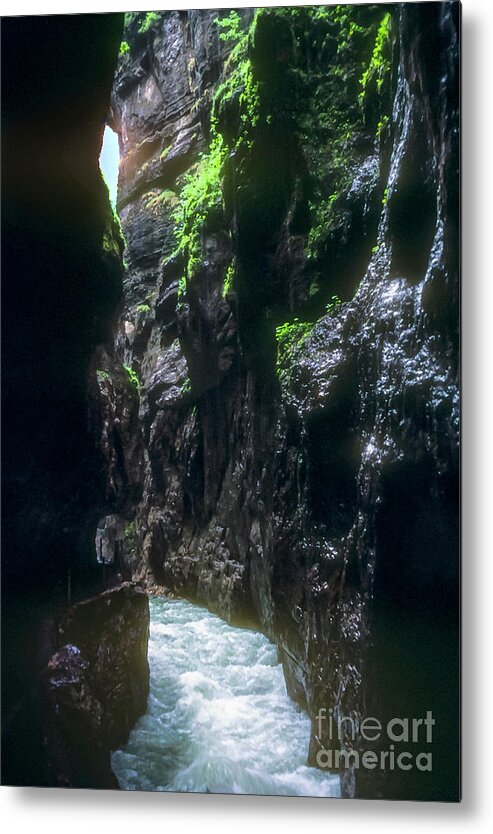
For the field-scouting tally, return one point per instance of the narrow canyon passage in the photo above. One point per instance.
(219, 719)
(277, 408)
(231, 372)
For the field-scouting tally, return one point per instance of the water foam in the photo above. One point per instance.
(219, 719)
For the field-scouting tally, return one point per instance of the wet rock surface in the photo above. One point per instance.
(97, 686)
(308, 486)
(274, 430)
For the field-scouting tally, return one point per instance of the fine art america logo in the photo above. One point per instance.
(417, 733)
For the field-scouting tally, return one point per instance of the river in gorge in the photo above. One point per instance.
(219, 719)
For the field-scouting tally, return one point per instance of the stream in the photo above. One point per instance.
(219, 719)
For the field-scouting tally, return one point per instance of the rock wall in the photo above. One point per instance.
(62, 285)
(97, 686)
(70, 411)
(289, 197)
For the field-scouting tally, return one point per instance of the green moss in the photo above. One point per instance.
(130, 18)
(382, 124)
(311, 96)
(240, 83)
(332, 305)
(130, 534)
(201, 202)
(332, 47)
(182, 287)
(230, 27)
(165, 199)
(143, 308)
(290, 336)
(291, 333)
(150, 19)
(379, 65)
(324, 217)
(200, 196)
(134, 379)
(113, 241)
(228, 280)
(201, 205)
(102, 375)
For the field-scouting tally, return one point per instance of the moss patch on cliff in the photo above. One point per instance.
(113, 241)
(201, 201)
(229, 278)
(379, 64)
(132, 377)
(290, 113)
(290, 336)
(335, 51)
(201, 196)
(130, 534)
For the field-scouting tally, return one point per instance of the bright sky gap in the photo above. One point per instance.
(108, 161)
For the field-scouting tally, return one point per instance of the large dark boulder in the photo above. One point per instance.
(97, 686)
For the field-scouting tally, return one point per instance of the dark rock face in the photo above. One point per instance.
(304, 479)
(71, 439)
(97, 687)
(62, 284)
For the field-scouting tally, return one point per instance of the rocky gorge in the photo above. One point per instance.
(264, 412)
(288, 191)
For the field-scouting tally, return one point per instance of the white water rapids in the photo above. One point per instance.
(219, 719)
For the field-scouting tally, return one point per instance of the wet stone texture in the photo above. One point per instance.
(311, 489)
(97, 686)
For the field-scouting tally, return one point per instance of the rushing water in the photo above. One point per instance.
(219, 719)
